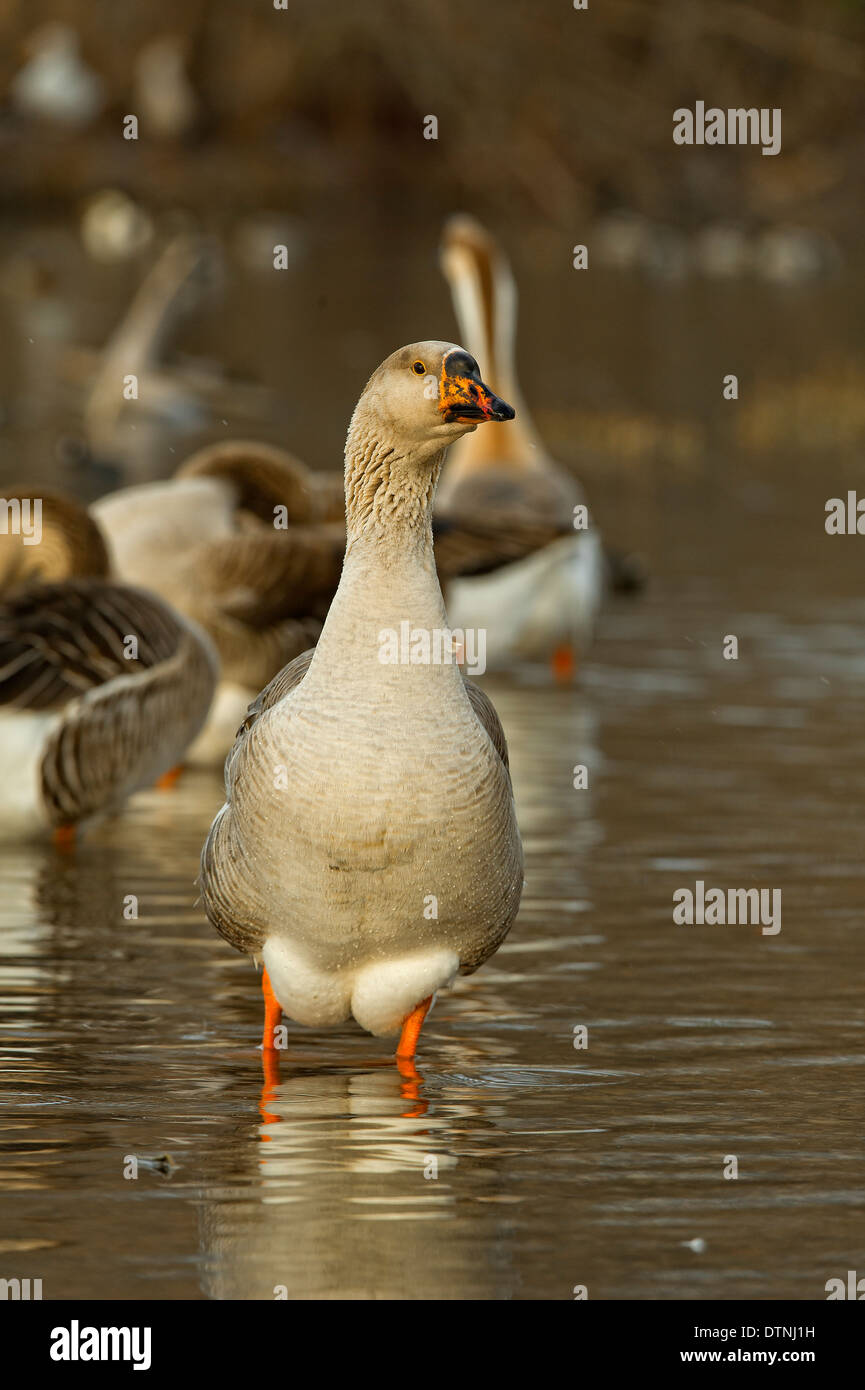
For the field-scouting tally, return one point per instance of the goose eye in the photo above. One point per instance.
(418, 368)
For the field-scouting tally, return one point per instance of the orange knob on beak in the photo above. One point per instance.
(463, 397)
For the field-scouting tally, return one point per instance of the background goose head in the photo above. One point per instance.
(484, 291)
(262, 477)
(59, 540)
(484, 294)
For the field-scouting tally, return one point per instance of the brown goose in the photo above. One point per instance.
(248, 543)
(102, 686)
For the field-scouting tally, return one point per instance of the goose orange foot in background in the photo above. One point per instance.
(563, 664)
(169, 779)
(64, 837)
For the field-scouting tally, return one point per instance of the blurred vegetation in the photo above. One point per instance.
(541, 109)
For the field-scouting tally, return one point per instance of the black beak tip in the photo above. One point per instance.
(503, 411)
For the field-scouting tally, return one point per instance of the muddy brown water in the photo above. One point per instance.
(518, 1166)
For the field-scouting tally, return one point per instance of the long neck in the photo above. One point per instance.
(389, 575)
(388, 497)
(485, 299)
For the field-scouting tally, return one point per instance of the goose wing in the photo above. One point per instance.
(226, 890)
(485, 712)
(132, 683)
(262, 595)
(264, 575)
(478, 544)
(276, 690)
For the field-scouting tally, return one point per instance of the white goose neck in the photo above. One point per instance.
(389, 577)
(388, 499)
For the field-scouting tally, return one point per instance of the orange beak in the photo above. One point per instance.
(465, 399)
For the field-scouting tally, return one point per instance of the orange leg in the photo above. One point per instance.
(411, 1077)
(64, 836)
(272, 1013)
(411, 1030)
(270, 1073)
(169, 779)
(563, 663)
(269, 1054)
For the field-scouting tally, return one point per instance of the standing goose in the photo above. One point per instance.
(505, 508)
(102, 686)
(368, 848)
(248, 543)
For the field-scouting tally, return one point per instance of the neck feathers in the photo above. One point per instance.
(388, 495)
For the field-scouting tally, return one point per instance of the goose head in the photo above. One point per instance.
(47, 538)
(258, 476)
(418, 402)
(424, 397)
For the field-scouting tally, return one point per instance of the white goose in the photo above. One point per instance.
(504, 486)
(368, 849)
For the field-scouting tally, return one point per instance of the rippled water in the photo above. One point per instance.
(518, 1167)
